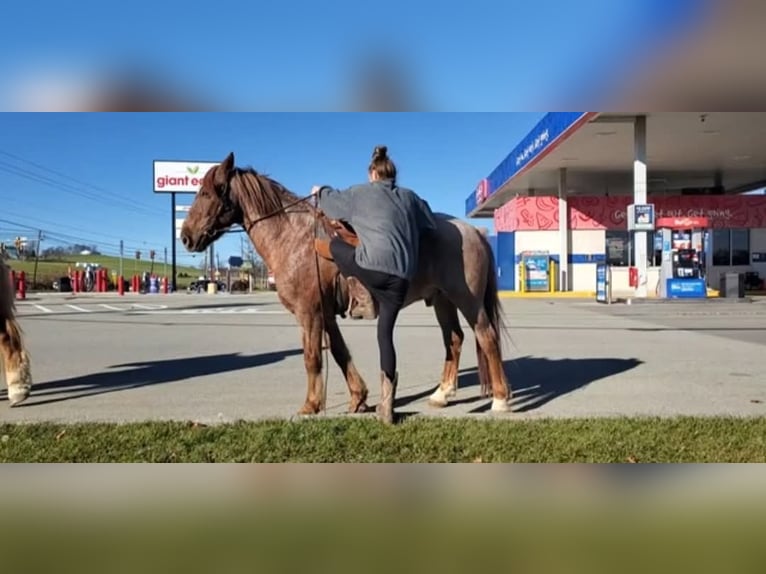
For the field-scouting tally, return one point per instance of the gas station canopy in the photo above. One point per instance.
(687, 153)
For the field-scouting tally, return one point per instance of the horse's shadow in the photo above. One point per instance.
(148, 373)
(537, 381)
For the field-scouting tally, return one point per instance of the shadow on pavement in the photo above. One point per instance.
(536, 381)
(137, 375)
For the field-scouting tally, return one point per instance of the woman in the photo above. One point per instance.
(388, 221)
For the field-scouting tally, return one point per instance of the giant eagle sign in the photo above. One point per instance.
(180, 176)
(174, 177)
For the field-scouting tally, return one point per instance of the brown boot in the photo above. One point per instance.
(385, 409)
(361, 304)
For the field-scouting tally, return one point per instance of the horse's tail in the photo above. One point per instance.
(8, 321)
(492, 305)
(493, 309)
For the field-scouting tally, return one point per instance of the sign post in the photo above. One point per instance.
(176, 177)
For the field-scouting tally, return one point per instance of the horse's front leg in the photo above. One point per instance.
(311, 325)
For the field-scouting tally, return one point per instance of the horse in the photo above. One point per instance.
(13, 352)
(456, 271)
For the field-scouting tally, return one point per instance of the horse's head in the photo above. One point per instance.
(214, 209)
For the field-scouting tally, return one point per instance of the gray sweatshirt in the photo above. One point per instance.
(388, 220)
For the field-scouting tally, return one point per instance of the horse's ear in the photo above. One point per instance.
(223, 170)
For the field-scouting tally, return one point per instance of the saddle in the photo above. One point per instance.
(334, 228)
(355, 299)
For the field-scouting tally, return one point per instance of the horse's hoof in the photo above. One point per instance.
(439, 399)
(501, 406)
(309, 409)
(358, 408)
(17, 396)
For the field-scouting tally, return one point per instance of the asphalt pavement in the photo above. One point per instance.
(221, 358)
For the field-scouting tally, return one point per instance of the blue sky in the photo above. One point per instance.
(91, 174)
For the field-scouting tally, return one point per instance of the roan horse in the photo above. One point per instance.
(13, 353)
(456, 272)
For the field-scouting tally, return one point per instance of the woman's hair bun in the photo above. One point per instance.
(381, 152)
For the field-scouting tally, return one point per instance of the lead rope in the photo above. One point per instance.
(325, 362)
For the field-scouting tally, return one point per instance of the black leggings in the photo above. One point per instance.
(388, 290)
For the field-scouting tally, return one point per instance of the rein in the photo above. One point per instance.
(246, 229)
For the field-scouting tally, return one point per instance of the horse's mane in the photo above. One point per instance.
(258, 193)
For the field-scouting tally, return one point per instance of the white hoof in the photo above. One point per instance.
(17, 395)
(439, 398)
(501, 406)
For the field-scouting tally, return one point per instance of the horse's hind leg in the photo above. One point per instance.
(453, 336)
(342, 356)
(18, 374)
(489, 356)
(488, 351)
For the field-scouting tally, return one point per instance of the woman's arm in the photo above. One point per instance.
(335, 203)
(426, 216)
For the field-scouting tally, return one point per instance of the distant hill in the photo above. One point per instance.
(49, 270)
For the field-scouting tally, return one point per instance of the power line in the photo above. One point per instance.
(35, 221)
(66, 188)
(64, 237)
(80, 183)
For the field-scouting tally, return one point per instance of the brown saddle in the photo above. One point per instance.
(334, 228)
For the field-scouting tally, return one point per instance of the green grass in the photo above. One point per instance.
(415, 440)
(50, 270)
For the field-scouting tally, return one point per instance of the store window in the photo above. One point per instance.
(731, 247)
(620, 251)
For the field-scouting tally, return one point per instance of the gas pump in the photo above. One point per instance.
(682, 273)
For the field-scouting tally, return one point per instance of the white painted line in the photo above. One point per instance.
(43, 309)
(110, 307)
(207, 312)
(80, 309)
(149, 307)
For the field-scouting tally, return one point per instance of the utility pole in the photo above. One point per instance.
(37, 258)
(122, 253)
(212, 262)
(165, 268)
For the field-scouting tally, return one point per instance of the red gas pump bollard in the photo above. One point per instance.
(22, 292)
(121, 285)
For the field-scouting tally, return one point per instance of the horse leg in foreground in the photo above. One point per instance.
(313, 334)
(18, 374)
(452, 334)
(311, 326)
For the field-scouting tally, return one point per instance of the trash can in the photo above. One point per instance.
(732, 285)
(64, 285)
